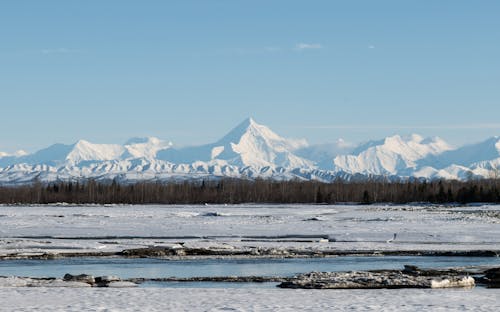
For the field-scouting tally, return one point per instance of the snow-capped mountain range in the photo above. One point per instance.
(252, 150)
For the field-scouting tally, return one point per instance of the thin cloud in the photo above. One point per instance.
(247, 51)
(443, 127)
(307, 46)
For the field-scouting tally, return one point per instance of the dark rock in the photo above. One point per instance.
(211, 214)
(492, 278)
(313, 219)
(107, 279)
(104, 281)
(493, 273)
(84, 278)
(410, 269)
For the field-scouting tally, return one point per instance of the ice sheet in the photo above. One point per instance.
(61, 228)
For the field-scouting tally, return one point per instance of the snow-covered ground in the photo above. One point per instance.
(63, 228)
(114, 228)
(170, 299)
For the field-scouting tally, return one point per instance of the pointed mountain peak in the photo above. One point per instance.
(249, 122)
(246, 126)
(249, 129)
(84, 150)
(82, 143)
(253, 144)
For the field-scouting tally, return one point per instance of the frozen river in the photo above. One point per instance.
(159, 268)
(59, 229)
(31, 231)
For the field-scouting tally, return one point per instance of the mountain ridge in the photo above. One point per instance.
(251, 150)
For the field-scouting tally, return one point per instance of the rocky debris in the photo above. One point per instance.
(166, 252)
(410, 277)
(105, 281)
(149, 252)
(83, 278)
(416, 271)
(228, 279)
(483, 276)
(179, 251)
(100, 281)
(270, 251)
(379, 279)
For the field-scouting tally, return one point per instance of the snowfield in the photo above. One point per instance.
(169, 299)
(59, 229)
(32, 230)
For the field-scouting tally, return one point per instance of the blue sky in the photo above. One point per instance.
(189, 71)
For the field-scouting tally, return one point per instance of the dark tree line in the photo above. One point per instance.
(234, 191)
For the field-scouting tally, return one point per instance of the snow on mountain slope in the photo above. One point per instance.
(392, 156)
(251, 144)
(86, 151)
(251, 150)
(466, 155)
(487, 168)
(452, 172)
(479, 160)
(60, 154)
(248, 133)
(145, 147)
(248, 144)
(52, 155)
(323, 154)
